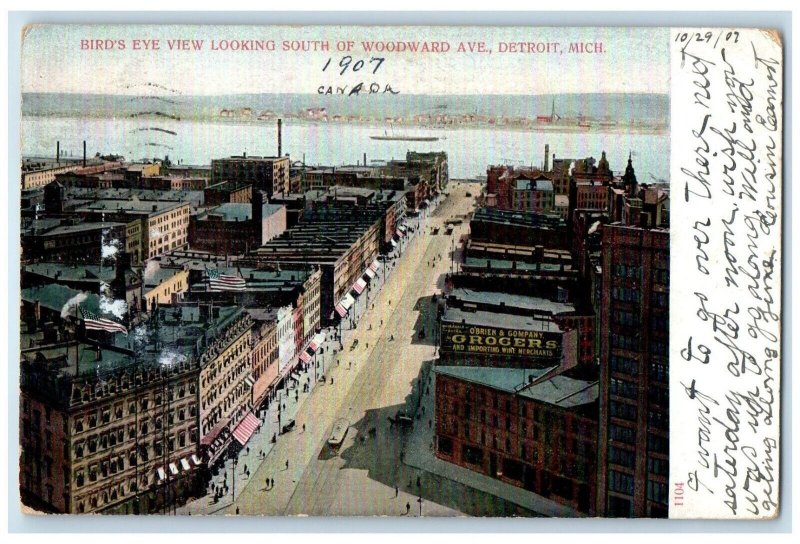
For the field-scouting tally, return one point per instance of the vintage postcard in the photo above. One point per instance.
(400, 271)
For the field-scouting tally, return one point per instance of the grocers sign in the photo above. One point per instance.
(461, 338)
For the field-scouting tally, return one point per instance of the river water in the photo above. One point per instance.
(469, 150)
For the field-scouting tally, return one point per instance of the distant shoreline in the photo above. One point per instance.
(541, 128)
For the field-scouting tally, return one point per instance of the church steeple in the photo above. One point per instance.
(629, 179)
(602, 166)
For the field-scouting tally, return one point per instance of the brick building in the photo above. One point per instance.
(268, 174)
(521, 427)
(634, 370)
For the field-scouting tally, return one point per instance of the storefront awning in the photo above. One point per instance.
(162, 474)
(374, 265)
(369, 273)
(212, 435)
(398, 233)
(185, 465)
(348, 301)
(359, 286)
(402, 228)
(173, 468)
(392, 241)
(341, 310)
(305, 357)
(246, 427)
(249, 380)
(196, 460)
(316, 341)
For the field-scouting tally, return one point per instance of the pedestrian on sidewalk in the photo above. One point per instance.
(304, 427)
(237, 510)
(266, 484)
(396, 491)
(408, 508)
(248, 450)
(272, 482)
(287, 464)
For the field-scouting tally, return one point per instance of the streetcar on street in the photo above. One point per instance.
(338, 433)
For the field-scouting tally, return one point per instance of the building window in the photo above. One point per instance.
(622, 434)
(623, 410)
(620, 482)
(623, 457)
(623, 388)
(657, 444)
(472, 455)
(658, 466)
(624, 365)
(657, 492)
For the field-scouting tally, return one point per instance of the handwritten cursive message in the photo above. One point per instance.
(725, 349)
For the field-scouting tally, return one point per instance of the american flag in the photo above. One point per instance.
(225, 282)
(94, 322)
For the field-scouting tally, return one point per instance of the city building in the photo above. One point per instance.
(343, 241)
(265, 353)
(228, 191)
(268, 174)
(165, 225)
(107, 428)
(38, 172)
(525, 427)
(225, 373)
(500, 226)
(533, 194)
(633, 466)
(237, 228)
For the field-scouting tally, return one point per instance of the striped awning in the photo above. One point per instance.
(359, 286)
(316, 341)
(369, 273)
(348, 301)
(374, 265)
(249, 380)
(341, 310)
(398, 233)
(246, 427)
(305, 357)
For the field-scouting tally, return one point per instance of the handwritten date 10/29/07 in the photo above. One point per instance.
(349, 65)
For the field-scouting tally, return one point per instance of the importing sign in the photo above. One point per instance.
(461, 338)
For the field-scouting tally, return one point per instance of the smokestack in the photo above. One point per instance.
(280, 147)
(58, 152)
(546, 157)
(84, 153)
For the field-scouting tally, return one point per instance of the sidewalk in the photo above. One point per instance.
(419, 454)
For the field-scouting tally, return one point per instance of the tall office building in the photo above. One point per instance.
(634, 397)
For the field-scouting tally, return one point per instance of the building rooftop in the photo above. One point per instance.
(494, 298)
(83, 227)
(503, 321)
(54, 297)
(232, 211)
(559, 390)
(535, 220)
(148, 207)
(68, 272)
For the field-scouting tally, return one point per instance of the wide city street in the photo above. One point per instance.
(380, 374)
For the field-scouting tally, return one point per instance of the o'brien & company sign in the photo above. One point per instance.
(461, 338)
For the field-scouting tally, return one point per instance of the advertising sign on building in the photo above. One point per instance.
(463, 338)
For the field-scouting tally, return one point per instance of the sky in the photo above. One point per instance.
(634, 60)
